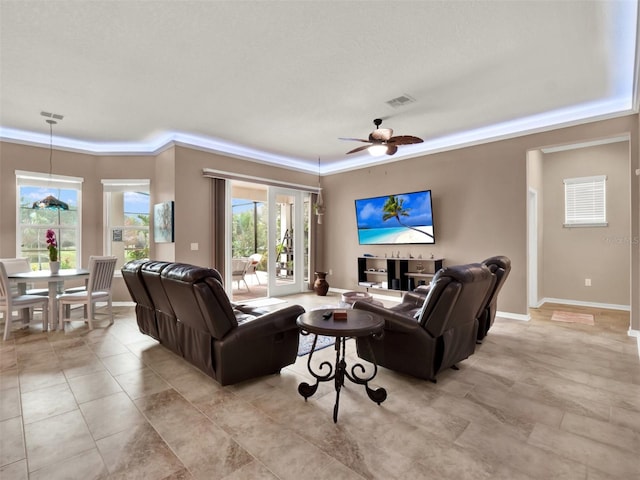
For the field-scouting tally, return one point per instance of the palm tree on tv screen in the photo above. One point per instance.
(393, 208)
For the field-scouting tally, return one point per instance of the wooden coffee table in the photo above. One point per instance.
(359, 323)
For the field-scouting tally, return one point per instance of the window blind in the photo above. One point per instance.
(585, 201)
(37, 179)
(126, 185)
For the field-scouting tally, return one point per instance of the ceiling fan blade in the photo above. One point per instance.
(354, 139)
(382, 134)
(391, 149)
(404, 140)
(359, 149)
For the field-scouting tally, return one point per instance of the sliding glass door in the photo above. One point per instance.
(269, 236)
(288, 241)
(249, 250)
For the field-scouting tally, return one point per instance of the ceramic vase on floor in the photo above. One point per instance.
(321, 286)
(54, 267)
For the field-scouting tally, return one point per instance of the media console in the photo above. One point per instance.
(399, 274)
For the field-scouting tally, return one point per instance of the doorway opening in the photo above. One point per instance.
(269, 253)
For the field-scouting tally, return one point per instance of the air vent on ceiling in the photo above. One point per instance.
(401, 101)
(56, 116)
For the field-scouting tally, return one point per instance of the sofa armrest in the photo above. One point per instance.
(279, 321)
(248, 309)
(416, 299)
(422, 290)
(394, 321)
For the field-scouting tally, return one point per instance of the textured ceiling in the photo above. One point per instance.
(282, 81)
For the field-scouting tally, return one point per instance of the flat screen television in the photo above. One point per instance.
(405, 218)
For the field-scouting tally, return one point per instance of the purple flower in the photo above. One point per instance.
(52, 246)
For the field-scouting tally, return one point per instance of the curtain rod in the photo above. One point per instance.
(211, 173)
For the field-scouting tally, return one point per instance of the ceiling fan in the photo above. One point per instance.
(381, 141)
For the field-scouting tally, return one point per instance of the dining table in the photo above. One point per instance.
(55, 282)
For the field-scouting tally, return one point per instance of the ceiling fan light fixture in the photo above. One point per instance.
(377, 150)
(381, 141)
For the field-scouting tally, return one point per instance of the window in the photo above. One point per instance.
(34, 219)
(585, 201)
(127, 215)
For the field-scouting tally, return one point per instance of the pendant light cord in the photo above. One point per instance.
(50, 149)
(51, 122)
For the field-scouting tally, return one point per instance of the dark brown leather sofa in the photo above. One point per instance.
(441, 332)
(186, 309)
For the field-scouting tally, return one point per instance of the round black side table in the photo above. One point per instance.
(358, 324)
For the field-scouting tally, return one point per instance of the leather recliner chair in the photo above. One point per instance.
(500, 266)
(441, 333)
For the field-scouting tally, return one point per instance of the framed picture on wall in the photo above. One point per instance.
(163, 222)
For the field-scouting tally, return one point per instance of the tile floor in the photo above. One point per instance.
(538, 400)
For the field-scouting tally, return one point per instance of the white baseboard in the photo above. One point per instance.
(636, 334)
(514, 316)
(124, 304)
(579, 303)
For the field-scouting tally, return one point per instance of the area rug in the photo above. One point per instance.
(570, 317)
(306, 342)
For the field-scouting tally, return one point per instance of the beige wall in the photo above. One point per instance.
(175, 174)
(92, 168)
(164, 190)
(479, 198)
(598, 253)
(193, 197)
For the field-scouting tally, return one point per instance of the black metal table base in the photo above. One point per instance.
(338, 373)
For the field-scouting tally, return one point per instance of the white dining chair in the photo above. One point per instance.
(20, 265)
(239, 267)
(98, 290)
(10, 303)
(256, 258)
(15, 265)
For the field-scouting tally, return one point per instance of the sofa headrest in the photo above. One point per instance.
(132, 275)
(151, 272)
(500, 266)
(199, 299)
(456, 296)
(191, 273)
(471, 272)
(499, 261)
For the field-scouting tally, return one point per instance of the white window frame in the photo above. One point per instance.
(39, 179)
(110, 186)
(585, 201)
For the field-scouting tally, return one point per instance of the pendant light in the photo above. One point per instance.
(319, 205)
(50, 201)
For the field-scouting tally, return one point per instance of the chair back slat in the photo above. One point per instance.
(101, 273)
(16, 265)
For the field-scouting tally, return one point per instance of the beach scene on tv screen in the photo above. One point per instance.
(395, 219)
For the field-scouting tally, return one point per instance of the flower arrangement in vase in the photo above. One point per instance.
(52, 246)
